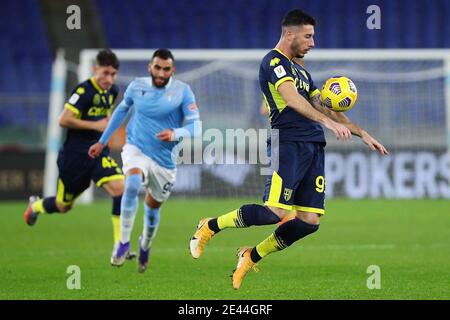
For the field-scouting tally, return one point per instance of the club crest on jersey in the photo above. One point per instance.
(170, 96)
(287, 194)
(96, 100)
(192, 107)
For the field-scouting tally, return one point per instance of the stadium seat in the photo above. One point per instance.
(26, 65)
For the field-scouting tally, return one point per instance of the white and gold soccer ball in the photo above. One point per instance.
(339, 94)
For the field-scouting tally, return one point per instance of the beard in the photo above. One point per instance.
(295, 50)
(160, 85)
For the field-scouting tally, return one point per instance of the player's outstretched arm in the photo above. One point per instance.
(302, 106)
(355, 129)
(118, 117)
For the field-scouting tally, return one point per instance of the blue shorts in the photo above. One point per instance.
(298, 180)
(77, 170)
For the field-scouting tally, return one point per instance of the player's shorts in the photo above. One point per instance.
(298, 183)
(76, 171)
(157, 180)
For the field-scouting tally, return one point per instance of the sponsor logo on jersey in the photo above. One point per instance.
(74, 99)
(279, 71)
(274, 62)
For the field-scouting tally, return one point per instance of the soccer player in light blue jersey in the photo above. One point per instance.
(158, 105)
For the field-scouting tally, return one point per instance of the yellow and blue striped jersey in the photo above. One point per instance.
(275, 69)
(89, 102)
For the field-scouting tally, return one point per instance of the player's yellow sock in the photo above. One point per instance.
(230, 220)
(38, 206)
(285, 235)
(269, 245)
(116, 228)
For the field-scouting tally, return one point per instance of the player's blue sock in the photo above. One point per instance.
(129, 206)
(151, 223)
(246, 216)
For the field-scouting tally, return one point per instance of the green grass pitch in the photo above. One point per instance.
(409, 240)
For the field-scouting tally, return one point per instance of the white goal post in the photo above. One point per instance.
(400, 79)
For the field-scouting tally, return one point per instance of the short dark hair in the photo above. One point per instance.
(163, 54)
(107, 58)
(297, 17)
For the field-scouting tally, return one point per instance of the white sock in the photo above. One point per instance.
(126, 226)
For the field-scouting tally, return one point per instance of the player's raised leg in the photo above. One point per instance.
(60, 204)
(129, 206)
(285, 235)
(151, 223)
(243, 217)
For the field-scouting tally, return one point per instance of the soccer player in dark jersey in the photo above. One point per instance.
(85, 116)
(297, 154)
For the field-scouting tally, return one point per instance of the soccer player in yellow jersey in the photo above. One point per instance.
(85, 116)
(297, 154)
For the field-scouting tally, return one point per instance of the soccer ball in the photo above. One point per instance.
(339, 94)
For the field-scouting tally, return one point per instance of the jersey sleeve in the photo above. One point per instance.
(191, 116)
(79, 100)
(189, 105)
(128, 95)
(280, 70)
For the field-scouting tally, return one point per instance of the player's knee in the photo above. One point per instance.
(295, 230)
(63, 208)
(132, 185)
(151, 202)
(309, 217)
(281, 213)
(116, 188)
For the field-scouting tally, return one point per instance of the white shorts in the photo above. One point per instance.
(157, 180)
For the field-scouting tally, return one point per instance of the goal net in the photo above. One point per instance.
(403, 101)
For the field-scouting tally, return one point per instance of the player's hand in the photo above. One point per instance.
(95, 150)
(339, 130)
(100, 125)
(166, 135)
(373, 144)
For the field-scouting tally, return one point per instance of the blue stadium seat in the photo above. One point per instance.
(255, 23)
(26, 64)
